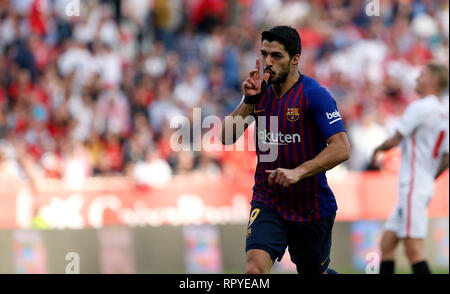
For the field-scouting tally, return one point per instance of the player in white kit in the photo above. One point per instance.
(424, 137)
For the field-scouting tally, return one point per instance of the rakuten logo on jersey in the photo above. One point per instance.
(335, 116)
(278, 138)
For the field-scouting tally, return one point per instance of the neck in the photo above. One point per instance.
(430, 92)
(281, 88)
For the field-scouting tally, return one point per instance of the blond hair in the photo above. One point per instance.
(440, 71)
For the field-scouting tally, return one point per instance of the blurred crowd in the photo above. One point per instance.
(88, 88)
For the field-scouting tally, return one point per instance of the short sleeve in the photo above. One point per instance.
(324, 111)
(413, 116)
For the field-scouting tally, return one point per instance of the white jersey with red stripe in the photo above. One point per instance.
(424, 127)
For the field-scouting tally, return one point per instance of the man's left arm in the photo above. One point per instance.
(444, 160)
(388, 144)
(337, 151)
(323, 111)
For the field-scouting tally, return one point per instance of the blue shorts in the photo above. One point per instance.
(309, 243)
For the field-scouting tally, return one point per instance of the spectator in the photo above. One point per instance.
(152, 171)
(188, 93)
(163, 109)
(366, 137)
(95, 94)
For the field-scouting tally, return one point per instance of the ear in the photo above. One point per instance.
(295, 60)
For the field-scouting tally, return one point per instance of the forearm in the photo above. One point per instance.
(390, 143)
(330, 157)
(234, 124)
(253, 88)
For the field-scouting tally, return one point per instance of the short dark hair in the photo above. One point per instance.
(285, 35)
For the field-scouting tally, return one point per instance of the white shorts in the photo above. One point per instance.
(409, 218)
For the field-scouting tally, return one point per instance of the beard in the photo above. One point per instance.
(279, 77)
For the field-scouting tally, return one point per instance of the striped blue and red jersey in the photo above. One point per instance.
(303, 119)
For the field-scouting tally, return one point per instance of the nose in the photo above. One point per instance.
(268, 62)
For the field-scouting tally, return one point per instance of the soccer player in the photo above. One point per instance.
(292, 205)
(423, 134)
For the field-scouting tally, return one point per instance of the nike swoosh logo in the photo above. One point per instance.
(259, 110)
(322, 263)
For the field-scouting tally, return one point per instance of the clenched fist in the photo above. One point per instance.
(283, 176)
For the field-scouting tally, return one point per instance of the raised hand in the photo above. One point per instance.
(252, 85)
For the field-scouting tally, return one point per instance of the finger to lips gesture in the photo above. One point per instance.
(252, 85)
